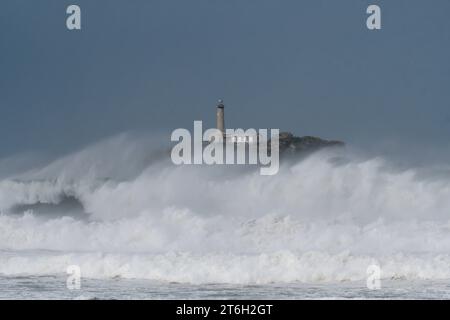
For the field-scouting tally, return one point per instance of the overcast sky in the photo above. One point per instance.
(311, 67)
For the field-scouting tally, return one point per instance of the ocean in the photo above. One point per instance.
(54, 287)
(138, 227)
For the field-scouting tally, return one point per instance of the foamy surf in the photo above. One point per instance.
(322, 219)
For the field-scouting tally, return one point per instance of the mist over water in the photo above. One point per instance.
(120, 208)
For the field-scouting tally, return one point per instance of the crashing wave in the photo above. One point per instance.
(326, 217)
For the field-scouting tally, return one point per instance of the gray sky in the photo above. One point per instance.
(311, 67)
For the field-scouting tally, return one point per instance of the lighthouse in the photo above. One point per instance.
(233, 135)
(220, 117)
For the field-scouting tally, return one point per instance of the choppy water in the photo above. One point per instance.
(311, 231)
(54, 287)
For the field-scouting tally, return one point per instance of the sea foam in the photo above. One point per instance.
(326, 217)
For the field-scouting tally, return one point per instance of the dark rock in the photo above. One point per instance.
(290, 144)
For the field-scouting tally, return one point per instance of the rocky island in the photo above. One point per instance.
(290, 144)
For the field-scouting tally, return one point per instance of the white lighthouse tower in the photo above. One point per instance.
(234, 136)
(220, 117)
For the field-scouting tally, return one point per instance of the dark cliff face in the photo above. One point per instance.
(290, 144)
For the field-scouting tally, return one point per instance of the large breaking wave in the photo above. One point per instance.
(121, 209)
